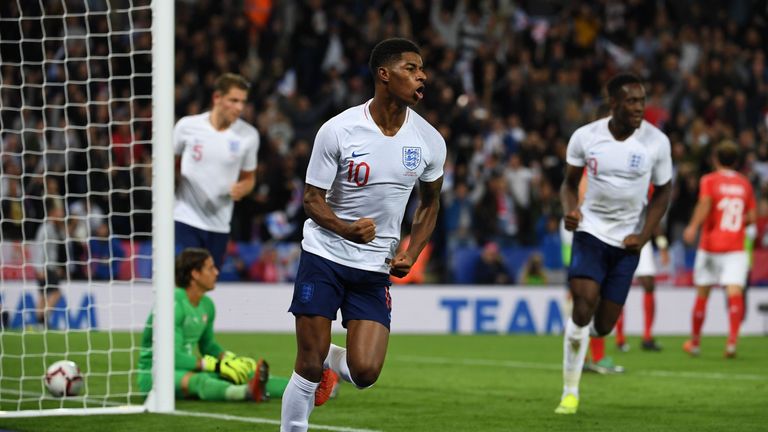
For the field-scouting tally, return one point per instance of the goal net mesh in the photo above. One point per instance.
(75, 257)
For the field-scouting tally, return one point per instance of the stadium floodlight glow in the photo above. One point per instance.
(86, 115)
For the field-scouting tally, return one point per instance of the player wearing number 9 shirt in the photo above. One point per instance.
(623, 155)
(725, 207)
(365, 162)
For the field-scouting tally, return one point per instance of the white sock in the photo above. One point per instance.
(298, 401)
(592, 330)
(575, 344)
(337, 361)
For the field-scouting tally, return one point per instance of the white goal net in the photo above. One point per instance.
(76, 244)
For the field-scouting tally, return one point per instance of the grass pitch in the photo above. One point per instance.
(436, 383)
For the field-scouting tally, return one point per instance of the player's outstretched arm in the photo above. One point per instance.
(424, 221)
(700, 212)
(569, 194)
(362, 230)
(656, 209)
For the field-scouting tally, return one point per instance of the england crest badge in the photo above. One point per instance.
(306, 292)
(411, 157)
(635, 161)
(234, 146)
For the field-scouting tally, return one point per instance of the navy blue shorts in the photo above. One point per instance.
(611, 267)
(51, 281)
(323, 287)
(189, 236)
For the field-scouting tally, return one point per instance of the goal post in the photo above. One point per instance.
(86, 187)
(162, 397)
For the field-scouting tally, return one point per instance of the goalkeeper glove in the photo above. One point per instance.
(234, 370)
(208, 363)
(249, 362)
(229, 368)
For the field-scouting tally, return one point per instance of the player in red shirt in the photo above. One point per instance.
(725, 207)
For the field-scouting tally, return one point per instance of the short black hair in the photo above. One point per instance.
(727, 153)
(189, 259)
(390, 50)
(617, 82)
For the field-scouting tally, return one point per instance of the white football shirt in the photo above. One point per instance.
(44, 251)
(211, 162)
(369, 175)
(618, 176)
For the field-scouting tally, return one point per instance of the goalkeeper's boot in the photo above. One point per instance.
(730, 351)
(257, 386)
(327, 388)
(568, 405)
(691, 348)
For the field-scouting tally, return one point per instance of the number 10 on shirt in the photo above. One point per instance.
(354, 173)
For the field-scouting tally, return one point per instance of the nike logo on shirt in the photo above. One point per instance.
(354, 155)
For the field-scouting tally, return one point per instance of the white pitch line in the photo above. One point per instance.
(704, 375)
(256, 420)
(259, 420)
(68, 399)
(479, 362)
(550, 366)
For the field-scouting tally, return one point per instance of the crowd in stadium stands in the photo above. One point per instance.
(508, 82)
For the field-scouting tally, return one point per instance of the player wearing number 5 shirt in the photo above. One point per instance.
(725, 207)
(364, 165)
(215, 166)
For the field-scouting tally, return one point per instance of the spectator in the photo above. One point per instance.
(267, 267)
(446, 23)
(458, 217)
(491, 269)
(106, 254)
(495, 215)
(533, 271)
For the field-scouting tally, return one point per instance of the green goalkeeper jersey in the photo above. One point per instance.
(193, 326)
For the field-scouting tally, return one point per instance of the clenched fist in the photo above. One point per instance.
(361, 231)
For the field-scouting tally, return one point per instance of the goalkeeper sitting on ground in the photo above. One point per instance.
(219, 375)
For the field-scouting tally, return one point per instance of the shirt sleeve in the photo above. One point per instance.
(208, 344)
(324, 162)
(179, 140)
(184, 360)
(705, 187)
(434, 169)
(575, 153)
(662, 170)
(250, 159)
